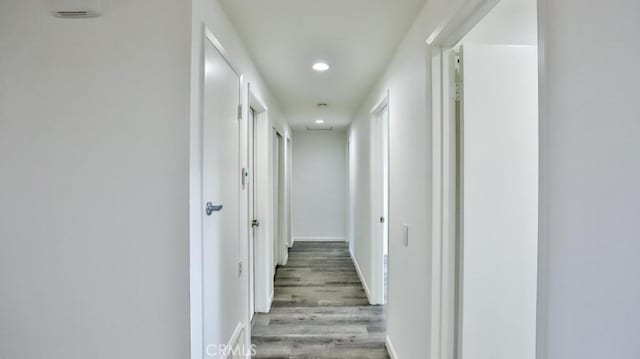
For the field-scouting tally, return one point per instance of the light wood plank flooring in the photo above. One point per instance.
(320, 309)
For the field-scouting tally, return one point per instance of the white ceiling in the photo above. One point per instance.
(355, 37)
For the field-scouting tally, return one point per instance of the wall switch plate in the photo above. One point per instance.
(405, 235)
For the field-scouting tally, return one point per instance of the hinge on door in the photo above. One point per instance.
(239, 112)
(245, 177)
(458, 78)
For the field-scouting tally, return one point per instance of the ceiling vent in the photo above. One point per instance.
(325, 129)
(76, 9)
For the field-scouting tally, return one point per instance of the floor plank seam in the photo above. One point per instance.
(320, 309)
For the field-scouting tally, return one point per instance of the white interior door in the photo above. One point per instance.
(499, 190)
(221, 196)
(380, 202)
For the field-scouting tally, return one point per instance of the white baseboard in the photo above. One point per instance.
(364, 282)
(390, 348)
(237, 340)
(271, 296)
(318, 239)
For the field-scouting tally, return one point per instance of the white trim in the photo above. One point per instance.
(390, 348)
(255, 101)
(459, 22)
(377, 250)
(289, 191)
(443, 309)
(263, 281)
(271, 297)
(381, 104)
(277, 126)
(208, 34)
(542, 321)
(443, 299)
(437, 215)
(234, 339)
(361, 276)
(281, 244)
(318, 239)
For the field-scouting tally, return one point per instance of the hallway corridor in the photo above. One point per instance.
(320, 309)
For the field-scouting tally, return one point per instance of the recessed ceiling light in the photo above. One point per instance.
(321, 66)
(319, 122)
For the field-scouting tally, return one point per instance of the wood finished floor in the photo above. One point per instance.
(320, 310)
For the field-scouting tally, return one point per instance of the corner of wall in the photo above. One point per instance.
(362, 278)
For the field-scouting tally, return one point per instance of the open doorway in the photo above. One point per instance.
(257, 176)
(251, 153)
(380, 200)
(484, 73)
(252, 207)
(278, 192)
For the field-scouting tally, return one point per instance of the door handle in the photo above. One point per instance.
(211, 208)
(255, 223)
(381, 219)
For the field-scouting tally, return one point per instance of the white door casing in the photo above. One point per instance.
(261, 179)
(379, 197)
(275, 191)
(251, 206)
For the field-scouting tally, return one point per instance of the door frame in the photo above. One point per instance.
(280, 243)
(289, 192)
(440, 48)
(263, 281)
(376, 293)
(248, 180)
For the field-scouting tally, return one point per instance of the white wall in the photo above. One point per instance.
(360, 201)
(319, 185)
(590, 170)
(94, 131)
(510, 22)
(410, 187)
(97, 179)
(500, 202)
(407, 79)
(209, 13)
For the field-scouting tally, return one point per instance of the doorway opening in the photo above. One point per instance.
(260, 282)
(251, 155)
(278, 199)
(380, 200)
(485, 166)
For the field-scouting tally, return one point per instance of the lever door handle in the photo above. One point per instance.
(211, 208)
(381, 219)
